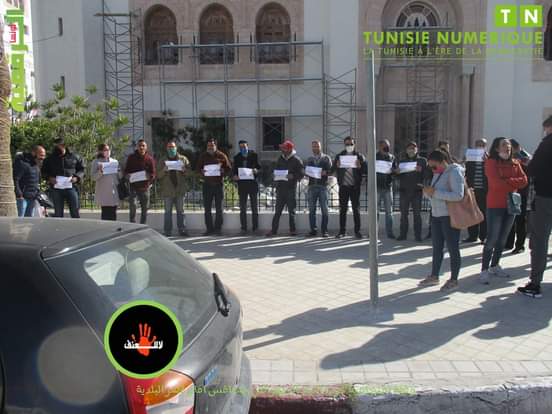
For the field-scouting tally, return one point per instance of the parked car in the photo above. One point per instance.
(62, 279)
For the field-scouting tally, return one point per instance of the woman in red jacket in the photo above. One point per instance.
(504, 176)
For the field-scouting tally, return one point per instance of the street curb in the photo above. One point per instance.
(299, 405)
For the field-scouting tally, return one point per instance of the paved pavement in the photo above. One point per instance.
(307, 318)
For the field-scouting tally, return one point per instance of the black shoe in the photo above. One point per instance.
(418, 239)
(401, 238)
(167, 234)
(358, 235)
(531, 290)
(270, 234)
(518, 250)
(208, 233)
(243, 232)
(340, 235)
(217, 232)
(183, 233)
(470, 240)
(313, 233)
(391, 236)
(325, 234)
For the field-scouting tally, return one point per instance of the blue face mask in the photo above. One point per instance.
(172, 152)
(244, 151)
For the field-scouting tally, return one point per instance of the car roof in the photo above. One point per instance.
(56, 235)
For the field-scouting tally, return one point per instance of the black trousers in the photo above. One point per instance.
(414, 200)
(285, 196)
(518, 233)
(249, 190)
(480, 230)
(346, 194)
(109, 213)
(210, 193)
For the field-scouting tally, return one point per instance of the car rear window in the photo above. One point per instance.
(137, 266)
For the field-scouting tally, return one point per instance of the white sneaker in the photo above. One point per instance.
(498, 272)
(484, 277)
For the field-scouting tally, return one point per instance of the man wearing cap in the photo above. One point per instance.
(247, 161)
(287, 172)
(411, 182)
(59, 164)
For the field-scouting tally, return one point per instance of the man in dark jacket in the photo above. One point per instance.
(350, 181)
(541, 219)
(59, 164)
(26, 177)
(140, 170)
(287, 172)
(411, 182)
(247, 162)
(476, 178)
(385, 184)
(213, 165)
(319, 166)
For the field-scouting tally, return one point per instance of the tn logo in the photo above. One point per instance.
(527, 16)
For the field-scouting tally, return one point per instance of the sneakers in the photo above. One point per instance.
(531, 290)
(325, 234)
(429, 281)
(358, 235)
(183, 233)
(270, 234)
(340, 235)
(312, 233)
(498, 272)
(484, 277)
(401, 238)
(449, 285)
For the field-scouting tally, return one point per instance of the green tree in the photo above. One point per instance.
(7, 192)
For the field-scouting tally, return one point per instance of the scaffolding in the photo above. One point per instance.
(123, 70)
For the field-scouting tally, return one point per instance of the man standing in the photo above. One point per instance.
(213, 165)
(476, 178)
(385, 183)
(171, 171)
(319, 165)
(246, 168)
(63, 169)
(540, 171)
(287, 172)
(26, 177)
(411, 170)
(141, 172)
(349, 178)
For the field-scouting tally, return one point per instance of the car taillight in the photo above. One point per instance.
(171, 393)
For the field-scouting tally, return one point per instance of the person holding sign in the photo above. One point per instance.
(141, 172)
(350, 166)
(411, 171)
(384, 166)
(475, 176)
(64, 170)
(106, 181)
(287, 172)
(319, 166)
(246, 168)
(171, 170)
(213, 165)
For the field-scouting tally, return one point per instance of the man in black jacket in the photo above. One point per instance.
(410, 188)
(350, 181)
(247, 161)
(541, 223)
(286, 186)
(385, 183)
(26, 177)
(63, 163)
(476, 178)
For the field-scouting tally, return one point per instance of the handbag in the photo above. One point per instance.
(514, 204)
(44, 200)
(123, 189)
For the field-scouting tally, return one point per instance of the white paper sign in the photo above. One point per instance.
(383, 167)
(138, 177)
(406, 167)
(475, 154)
(348, 161)
(280, 175)
(109, 168)
(314, 172)
(63, 183)
(174, 165)
(212, 170)
(246, 174)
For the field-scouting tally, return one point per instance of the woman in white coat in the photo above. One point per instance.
(106, 177)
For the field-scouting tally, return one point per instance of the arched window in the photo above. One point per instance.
(273, 25)
(216, 27)
(160, 29)
(548, 37)
(417, 15)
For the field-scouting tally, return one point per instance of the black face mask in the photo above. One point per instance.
(386, 149)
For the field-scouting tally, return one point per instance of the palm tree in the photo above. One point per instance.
(7, 193)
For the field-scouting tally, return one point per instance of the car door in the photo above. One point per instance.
(2, 382)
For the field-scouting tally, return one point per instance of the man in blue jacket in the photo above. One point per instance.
(26, 177)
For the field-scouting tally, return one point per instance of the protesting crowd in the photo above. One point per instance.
(489, 194)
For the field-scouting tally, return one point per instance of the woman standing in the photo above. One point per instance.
(447, 185)
(106, 180)
(504, 175)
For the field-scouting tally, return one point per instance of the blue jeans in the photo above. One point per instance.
(499, 224)
(25, 207)
(442, 232)
(318, 192)
(60, 196)
(178, 203)
(385, 197)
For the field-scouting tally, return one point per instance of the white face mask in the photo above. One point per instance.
(349, 148)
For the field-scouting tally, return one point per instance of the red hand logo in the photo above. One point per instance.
(145, 332)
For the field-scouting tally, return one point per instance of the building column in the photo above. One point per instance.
(465, 121)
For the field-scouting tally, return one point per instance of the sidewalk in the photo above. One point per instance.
(307, 318)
